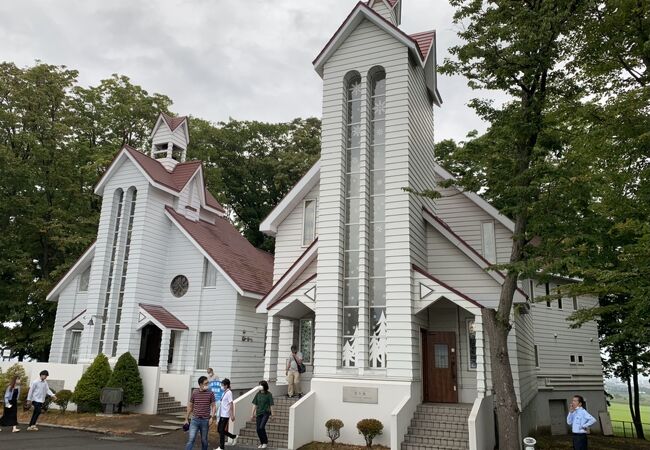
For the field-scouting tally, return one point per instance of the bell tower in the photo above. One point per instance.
(169, 140)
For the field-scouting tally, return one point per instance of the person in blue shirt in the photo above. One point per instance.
(580, 421)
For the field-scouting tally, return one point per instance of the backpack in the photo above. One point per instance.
(301, 366)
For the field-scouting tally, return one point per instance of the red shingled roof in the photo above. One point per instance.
(173, 122)
(251, 269)
(424, 40)
(164, 317)
(176, 179)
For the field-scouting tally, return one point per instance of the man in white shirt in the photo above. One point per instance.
(38, 389)
(293, 373)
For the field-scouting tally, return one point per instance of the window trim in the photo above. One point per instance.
(576, 306)
(198, 351)
(81, 275)
(469, 353)
(207, 264)
(304, 216)
(493, 240)
(536, 350)
(311, 351)
(74, 332)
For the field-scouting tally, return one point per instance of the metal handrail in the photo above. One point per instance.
(626, 428)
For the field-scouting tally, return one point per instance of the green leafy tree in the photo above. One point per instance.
(520, 49)
(56, 139)
(251, 166)
(126, 376)
(87, 393)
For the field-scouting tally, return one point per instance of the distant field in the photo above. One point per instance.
(621, 411)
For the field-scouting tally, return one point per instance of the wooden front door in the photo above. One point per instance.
(439, 364)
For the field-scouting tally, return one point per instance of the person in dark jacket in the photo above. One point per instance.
(10, 414)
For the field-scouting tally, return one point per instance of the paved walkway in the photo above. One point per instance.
(56, 438)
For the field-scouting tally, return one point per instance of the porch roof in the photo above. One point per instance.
(163, 317)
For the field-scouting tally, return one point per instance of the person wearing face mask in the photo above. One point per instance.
(580, 421)
(201, 409)
(10, 415)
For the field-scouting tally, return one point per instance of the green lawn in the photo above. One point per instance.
(621, 411)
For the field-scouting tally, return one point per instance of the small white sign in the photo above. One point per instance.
(358, 394)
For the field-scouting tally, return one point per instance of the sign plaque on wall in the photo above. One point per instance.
(360, 394)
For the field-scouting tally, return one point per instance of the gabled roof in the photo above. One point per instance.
(270, 224)
(477, 200)
(288, 277)
(448, 291)
(425, 41)
(173, 122)
(362, 11)
(163, 317)
(248, 269)
(84, 261)
(289, 293)
(446, 231)
(172, 182)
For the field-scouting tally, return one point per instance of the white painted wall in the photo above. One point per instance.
(150, 380)
(301, 421)
(178, 386)
(481, 424)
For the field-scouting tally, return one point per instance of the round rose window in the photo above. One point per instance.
(179, 285)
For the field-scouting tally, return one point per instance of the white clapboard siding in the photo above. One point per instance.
(285, 341)
(189, 196)
(465, 218)
(309, 272)
(288, 241)
(554, 352)
(247, 344)
(164, 135)
(523, 331)
(366, 47)
(127, 176)
(70, 303)
(450, 265)
(384, 11)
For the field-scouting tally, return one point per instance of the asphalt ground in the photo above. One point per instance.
(57, 438)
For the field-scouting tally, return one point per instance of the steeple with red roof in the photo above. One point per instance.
(169, 140)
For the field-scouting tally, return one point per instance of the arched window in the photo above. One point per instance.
(377, 249)
(132, 194)
(351, 344)
(116, 220)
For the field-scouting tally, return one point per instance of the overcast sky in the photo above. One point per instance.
(246, 59)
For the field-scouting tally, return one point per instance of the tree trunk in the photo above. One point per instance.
(636, 418)
(504, 389)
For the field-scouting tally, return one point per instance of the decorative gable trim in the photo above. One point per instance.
(82, 263)
(445, 230)
(309, 292)
(477, 200)
(75, 320)
(290, 276)
(270, 224)
(439, 289)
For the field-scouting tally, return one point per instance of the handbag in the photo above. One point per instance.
(301, 366)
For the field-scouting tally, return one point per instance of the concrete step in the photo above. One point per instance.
(438, 425)
(449, 443)
(276, 435)
(439, 433)
(440, 417)
(254, 442)
(172, 410)
(270, 426)
(406, 446)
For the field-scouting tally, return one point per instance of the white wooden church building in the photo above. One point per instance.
(168, 279)
(382, 290)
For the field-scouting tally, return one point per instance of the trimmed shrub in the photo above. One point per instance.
(63, 397)
(127, 376)
(88, 390)
(370, 428)
(334, 429)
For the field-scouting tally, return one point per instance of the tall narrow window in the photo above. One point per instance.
(559, 303)
(84, 280)
(531, 290)
(377, 251)
(471, 344)
(306, 339)
(309, 222)
(117, 220)
(75, 340)
(548, 292)
(536, 356)
(172, 346)
(203, 351)
(575, 303)
(209, 274)
(351, 344)
(489, 241)
(125, 266)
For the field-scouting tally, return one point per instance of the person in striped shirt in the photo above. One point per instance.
(202, 408)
